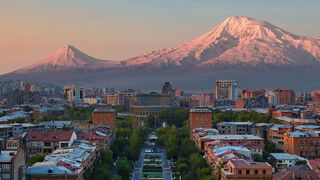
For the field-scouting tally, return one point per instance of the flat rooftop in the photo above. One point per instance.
(244, 163)
(195, 110)
(287, 156)
(104, 110)
(231, 136)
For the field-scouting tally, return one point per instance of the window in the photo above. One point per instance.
(47, 144)
(239, 172)
(255, 171)
(247, 171)
(62, 145)
(264, 172)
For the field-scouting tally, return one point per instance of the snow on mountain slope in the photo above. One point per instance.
(68, 57)
(238, 40)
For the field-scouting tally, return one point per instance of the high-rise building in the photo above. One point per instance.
(167, 89)
(200, 118)
(72, 93)
(178, 93)
(227, 89)
(281, 96)
(204, 99)
(252, 93)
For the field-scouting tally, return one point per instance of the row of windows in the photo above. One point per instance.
(5, 166)
(254, 171)
(5, 176)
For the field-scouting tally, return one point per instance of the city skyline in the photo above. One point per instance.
(119, 30)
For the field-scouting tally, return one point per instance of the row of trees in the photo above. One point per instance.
(189, 162)
(123, 152)
(237, 116)
(174, 117)
(129, 139)
(104, 168)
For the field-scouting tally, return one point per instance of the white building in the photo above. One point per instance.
(282, 161)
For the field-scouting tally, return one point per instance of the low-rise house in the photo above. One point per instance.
(64, 163)
(13, 143)
(12, 117)
(282, 161)
(307, 128)
(242, 169)
(217, 156)
(93, 139)
(17, 129)
(302, 172)
(276, 133)
(11, 163)
(52, 171)
(305, 144)
(48, 141)
(56, 124)
(295, 121)
(254, 143)
(235, 127)
(198, 133)
(261, 130)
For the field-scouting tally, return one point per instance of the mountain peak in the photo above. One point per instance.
(238, 40)
(236, 25)
(69, 57)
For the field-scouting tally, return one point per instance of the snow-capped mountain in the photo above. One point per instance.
(253, 52)
(68, 57)
(238, 40)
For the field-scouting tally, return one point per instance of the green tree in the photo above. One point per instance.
(116, 177)
(182, 168)
(203, 173)
(123, 168)
(196, 161)
(135, 144)
(20, 120)
(150, 121)
(39, 157)
(101, 173)
(269, 147)
(106, 158)
(27, 108)
(257, 158)
(171, 145)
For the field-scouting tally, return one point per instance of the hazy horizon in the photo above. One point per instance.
(113, 30)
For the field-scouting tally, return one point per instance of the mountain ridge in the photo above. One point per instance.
(238, 48)
(234, 36)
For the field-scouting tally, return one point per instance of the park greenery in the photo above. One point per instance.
(238, 116)
(189, 161)
(116, 163)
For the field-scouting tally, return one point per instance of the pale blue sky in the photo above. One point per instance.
(118, 29)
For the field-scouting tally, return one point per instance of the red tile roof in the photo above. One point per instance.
(302, 172)
(314, 164)
(49, 136)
